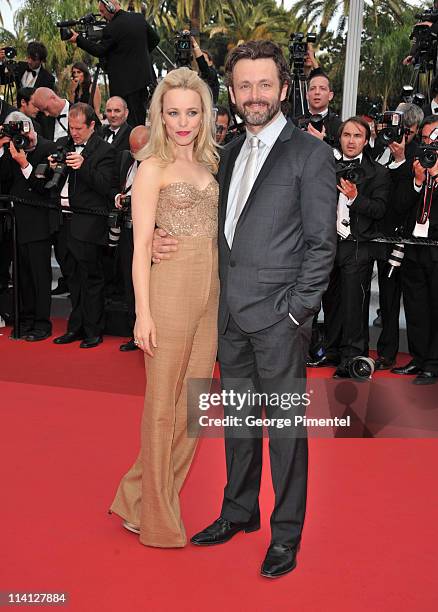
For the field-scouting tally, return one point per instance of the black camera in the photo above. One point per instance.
(391, 128)
(361, 368)
(90, 27)
(316, 121)
(425, 46)
(183, 49)
(17, 132)
(427, 155)
(54, 176)
(10, 53)
(298, 47)
(350, 171)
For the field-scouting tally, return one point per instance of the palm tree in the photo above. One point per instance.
(323, 12)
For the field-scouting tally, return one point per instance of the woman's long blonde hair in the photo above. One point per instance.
(205, 148)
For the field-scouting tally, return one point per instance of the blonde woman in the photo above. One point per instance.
(176, 301)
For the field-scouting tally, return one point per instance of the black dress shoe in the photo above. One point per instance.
(382, 363)
(222, 530)
(324, 361)
(409, 369)
(61, 287)
(68, 338)
(36, 335)
(91, 342)
(280, 559)
(128, 346)
(425, 378)
(341, 372)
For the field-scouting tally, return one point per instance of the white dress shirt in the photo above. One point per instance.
(65, 203)
(60, 132)
(28, 80)
(344, 203)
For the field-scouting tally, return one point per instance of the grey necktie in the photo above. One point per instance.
(248, 179)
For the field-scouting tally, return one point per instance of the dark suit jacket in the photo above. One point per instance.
(369, 207)
(126, 44)
(5, 109)
(90, 187)
(32, 223)
(121, 141)
(285, 240)
(44, 78)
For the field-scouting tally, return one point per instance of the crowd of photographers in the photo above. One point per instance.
(69, 169)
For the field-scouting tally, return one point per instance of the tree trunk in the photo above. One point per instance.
(195, 15)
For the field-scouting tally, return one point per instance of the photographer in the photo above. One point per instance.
(126, 169)
(398, 158)
(319, 96)
(428, 20)
(126, 44)
(223, 120)
(432, 107)
(207, 71)
(25, 106)
(30, 73)
(118, 129)
(19, 156)
(360, 206)
(86, 185)
(416, 200)
(53, 113)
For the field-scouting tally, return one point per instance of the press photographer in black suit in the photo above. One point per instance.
(126, 169)
(30, 73)
(207, 71)
(82, 235)
(419, 270)
(398, 158)
(118, 129)
(25, 106)
(319, 96)
(34, 227)
(126, 45)
(346, 301)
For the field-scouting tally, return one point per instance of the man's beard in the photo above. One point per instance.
(260, 116)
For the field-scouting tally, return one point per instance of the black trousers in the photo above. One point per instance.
(269, 361)
(136, 102)
(126, 252)
(84, 270)
(346, 301)
(420, 298)
(389, 301)
(35, 282)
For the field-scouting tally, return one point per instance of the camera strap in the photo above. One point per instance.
(424, 212)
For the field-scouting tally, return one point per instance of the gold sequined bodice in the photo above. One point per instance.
(185, 210)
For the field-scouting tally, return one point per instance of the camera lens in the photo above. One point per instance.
(361, 368)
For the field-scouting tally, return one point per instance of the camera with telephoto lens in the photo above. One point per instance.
(90, 27)
(298, 48)
(350, 171)
(55, 175)
(17, 132)
(427, 155)
(425, 45)
(183, 49)
(391, 128)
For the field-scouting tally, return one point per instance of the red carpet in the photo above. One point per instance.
(70, 427)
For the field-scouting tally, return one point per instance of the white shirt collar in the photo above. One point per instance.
(323, 113)
(271, 132)
(434, 106)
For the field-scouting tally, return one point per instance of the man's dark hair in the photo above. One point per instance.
(359, 121)
(317, 72)
(24, 93)
(428, 120)
(37, 51)
(257, 49)
(223, 110)
(80, 108)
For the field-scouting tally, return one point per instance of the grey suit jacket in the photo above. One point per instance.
(285, 240)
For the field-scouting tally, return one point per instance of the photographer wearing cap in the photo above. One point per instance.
(21, 150)
(417, 202)
(85, 185)
(360, 206)
(30, 73)
(398, 158)
(126, 45)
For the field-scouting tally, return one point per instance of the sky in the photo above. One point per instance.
(8, 13)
